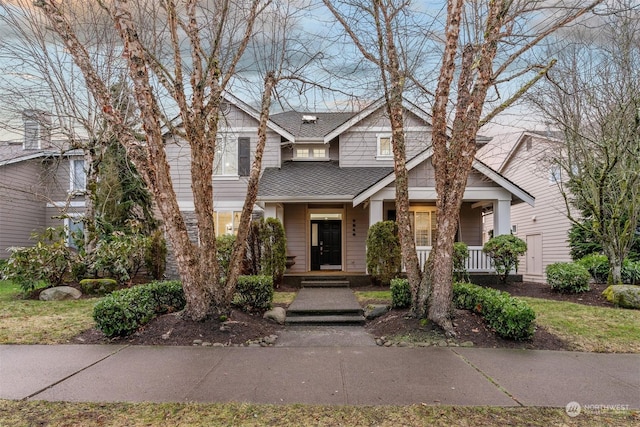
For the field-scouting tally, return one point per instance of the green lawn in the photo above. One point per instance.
(377, 297)
(56, 414)
(41, 322)
(586, 328)
(598, 329)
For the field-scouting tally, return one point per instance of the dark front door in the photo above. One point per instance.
(326, 244)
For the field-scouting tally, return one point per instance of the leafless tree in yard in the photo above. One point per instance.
(484, 70)
(185, 52)
(593, 98)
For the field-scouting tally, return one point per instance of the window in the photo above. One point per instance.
(78, 175)
(226, 159)
(227, 222)
(423, 223)
(384, 146)
(555, 174)
(75, 231)
(310, 153)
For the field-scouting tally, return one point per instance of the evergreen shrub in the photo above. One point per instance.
(568, 277)
(400, 293)
(254, 293)
(384, 257)
(511, 317)
(597, 265)
(98, 286)
(504, 250)
(122, 312)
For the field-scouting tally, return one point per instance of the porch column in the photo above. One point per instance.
(501, 217)
(375, 211)
(274, 210)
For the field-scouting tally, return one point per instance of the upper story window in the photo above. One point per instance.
(226, 159)
(384, 146)
(78, 175)
(313, 152)
(233, 156)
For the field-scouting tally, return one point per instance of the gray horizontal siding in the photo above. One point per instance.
(21, 212)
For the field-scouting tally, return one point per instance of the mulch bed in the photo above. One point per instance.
(171, 329)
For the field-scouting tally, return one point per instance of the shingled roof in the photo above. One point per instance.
(317, 180)
(292, 122)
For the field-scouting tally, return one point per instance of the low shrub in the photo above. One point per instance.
(254, 293)
(122, 312)
(510, 317)
(597, 265)
(568, 277)
(47, 263)
(98, 286)
(121, 256)
(400, 293)
(631, 272)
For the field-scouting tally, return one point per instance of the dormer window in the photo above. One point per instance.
(384, 146)
(310, 152)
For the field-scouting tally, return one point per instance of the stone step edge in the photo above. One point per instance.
(325, 284)
(319, 320)
(326, 312)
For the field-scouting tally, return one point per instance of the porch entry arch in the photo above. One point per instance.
(326, 239)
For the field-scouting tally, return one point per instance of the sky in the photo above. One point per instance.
(338, 66)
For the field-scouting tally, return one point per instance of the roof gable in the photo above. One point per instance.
(369, 110)
(477, 165)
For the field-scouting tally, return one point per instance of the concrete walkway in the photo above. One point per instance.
(353, 375)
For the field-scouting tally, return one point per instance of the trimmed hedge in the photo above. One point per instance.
(122, 312)
(400, 293)
(510, 317)
(254, 293)
(568, 277)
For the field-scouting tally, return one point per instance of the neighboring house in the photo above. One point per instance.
(37, 184)
(526, 158)
(329, 176)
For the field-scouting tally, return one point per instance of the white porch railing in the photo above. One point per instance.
(478, 261)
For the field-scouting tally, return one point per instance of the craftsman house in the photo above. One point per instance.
(329, 175)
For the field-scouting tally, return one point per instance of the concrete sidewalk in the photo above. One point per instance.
(355, 375)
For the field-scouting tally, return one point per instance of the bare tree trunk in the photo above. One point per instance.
(252, 189)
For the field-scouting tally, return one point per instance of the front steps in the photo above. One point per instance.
(324, 282)
(330, 305)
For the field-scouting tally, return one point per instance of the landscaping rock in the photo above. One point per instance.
(376, 310)
(626, 296)
(278, 314)
(60, 293)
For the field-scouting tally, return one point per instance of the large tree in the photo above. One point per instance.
(484, 45)
(593, 98)
(185, 52)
